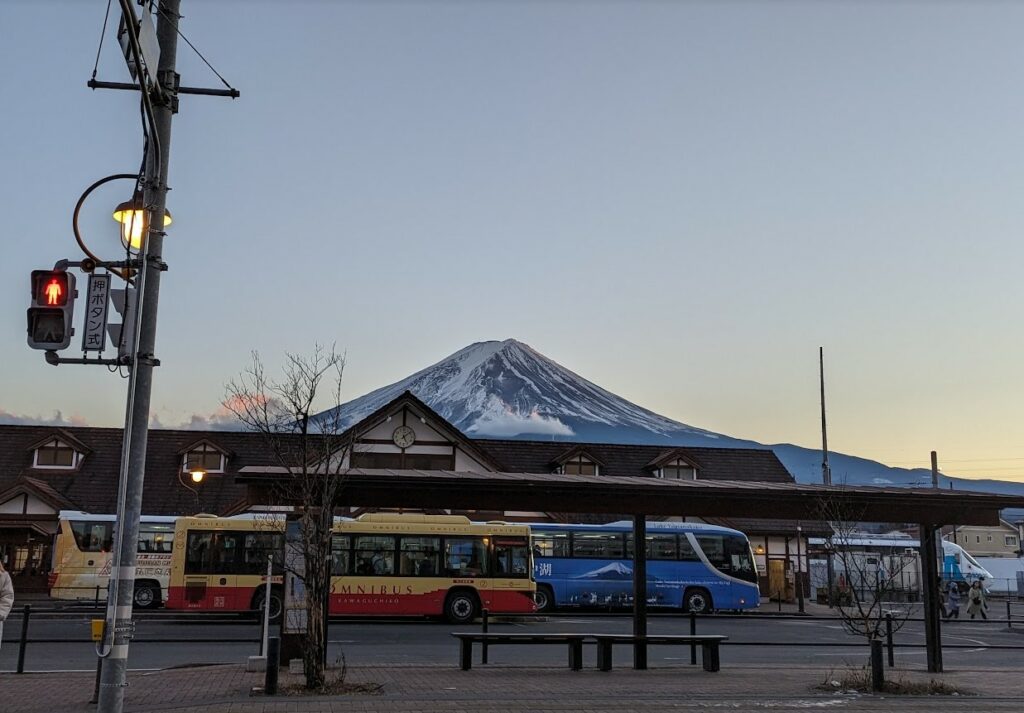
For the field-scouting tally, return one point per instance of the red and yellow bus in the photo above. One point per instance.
(382, 565)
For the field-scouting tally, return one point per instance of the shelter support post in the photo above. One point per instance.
(932, 602)
(640, 591)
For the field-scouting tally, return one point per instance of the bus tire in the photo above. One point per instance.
(147, 594)
(276, 603)
(545, 598)
(461, 606)
(697, 600)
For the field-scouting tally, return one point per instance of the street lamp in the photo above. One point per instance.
(134, 220)
(195, 477)
(132, 215)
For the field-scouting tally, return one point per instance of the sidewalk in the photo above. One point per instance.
(501, 689)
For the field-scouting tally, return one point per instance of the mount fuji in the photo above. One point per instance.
(509, 390)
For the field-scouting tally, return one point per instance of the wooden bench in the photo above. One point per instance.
(708, 643)
(573, 641)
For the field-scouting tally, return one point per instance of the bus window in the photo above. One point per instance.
(465, 557)
(729, 554)
(198, 556)
(258, 546)
(156, 537)
(340, 545)
(659, 547)
(551, 544)
(93, 536)
(597, 545)
(375, 554)
(418, 556)
(511, 557)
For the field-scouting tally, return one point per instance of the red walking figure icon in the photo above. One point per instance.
(53, 292)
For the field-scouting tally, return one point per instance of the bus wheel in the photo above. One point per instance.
(147, 595)
(276, 603)
(697, 600)
(460, 606)
(545, 598)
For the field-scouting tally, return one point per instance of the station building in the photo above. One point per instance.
(45, 470)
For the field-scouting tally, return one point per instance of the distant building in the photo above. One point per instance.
(45, 469)
(1002, 540)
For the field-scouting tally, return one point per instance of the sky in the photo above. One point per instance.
(680, 201)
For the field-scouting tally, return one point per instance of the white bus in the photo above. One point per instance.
(83, 551)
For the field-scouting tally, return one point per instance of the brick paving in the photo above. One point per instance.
(502, 689)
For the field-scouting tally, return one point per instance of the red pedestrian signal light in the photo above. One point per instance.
(53, 289)
(52, 309)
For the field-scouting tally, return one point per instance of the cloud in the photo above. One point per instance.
(509, 424)
(223, 419)
(219, 420)
(58, 419)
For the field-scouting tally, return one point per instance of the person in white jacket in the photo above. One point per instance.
(6, 597)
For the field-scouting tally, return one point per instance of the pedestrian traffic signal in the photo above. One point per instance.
(53, 305)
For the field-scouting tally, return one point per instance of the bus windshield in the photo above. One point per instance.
(729, 554)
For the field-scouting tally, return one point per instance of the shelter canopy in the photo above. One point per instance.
(637, 496)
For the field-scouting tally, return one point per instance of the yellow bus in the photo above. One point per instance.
(382, 565)
(82, 554)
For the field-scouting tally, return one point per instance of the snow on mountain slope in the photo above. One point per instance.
(506, 389)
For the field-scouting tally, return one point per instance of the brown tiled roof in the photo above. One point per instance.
(627, 460)
(93, 485)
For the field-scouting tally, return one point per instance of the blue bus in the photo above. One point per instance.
(692, 566)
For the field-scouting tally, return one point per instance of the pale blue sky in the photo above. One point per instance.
(679, 201)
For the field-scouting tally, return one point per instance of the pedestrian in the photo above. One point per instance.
(6, 598)
(976, 603)
(953, 601)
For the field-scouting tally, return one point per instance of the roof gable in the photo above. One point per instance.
(62, 435)
(206, 441)
(440, 424)
(575, 452)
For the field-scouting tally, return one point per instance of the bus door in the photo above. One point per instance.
(210, 578)
(511, 571)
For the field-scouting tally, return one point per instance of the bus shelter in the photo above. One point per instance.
(642, 497)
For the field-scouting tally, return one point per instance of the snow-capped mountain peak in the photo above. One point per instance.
(504, 389)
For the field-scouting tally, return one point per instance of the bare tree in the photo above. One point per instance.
(870, 583)
(310, 449)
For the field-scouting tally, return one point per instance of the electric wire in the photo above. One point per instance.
(103, 33)
(194, 49)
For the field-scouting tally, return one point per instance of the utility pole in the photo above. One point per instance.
(935, 469)
(163, 95)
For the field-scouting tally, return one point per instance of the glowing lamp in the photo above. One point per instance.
(198, 475)
(134, 220)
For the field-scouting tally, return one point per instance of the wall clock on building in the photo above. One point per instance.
(403, 436)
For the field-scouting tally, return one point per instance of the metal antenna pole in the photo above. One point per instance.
(826, 476)
(114, 679)
(826, 472)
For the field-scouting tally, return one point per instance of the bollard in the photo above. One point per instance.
(483, 644)
(888, 640)
(24, 637)
(780, 601)
(273, 664)
(1009, 617)
(693, 632)
(877, 672)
